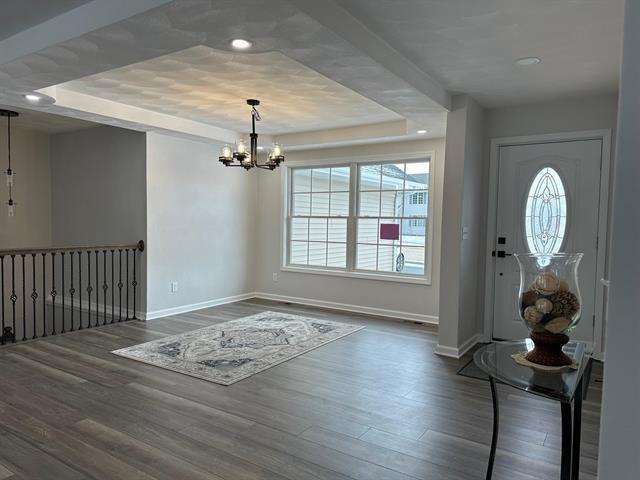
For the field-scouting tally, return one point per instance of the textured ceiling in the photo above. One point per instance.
(275, 26)
(470, 46)
(44, 122)
(18, 15)
(211, 86)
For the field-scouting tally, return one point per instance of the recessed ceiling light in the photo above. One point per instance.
(526, 61)
(241, 44)
(35, 98)
(421, 132)
(32, 98)
(260, 148)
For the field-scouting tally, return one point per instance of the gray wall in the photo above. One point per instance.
(373, 294)
(98, 185)
(585, 113)
(620, 421)
(31, 226)
(201, 225)
(473, 220)
(460, 318)
(598, 112)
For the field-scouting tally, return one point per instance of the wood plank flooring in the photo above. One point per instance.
(377, 404)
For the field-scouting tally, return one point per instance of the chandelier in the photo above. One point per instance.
(249, 159)
(9, 172)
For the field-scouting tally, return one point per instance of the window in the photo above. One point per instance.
(361, 218)
(318, 218)
(417, 198)
(545, 216)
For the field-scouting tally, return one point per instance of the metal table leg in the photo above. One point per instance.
(565, 462)
(494, 437)
(577, 427)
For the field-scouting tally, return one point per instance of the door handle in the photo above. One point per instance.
(500, 254)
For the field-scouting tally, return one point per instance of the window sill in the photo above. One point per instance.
(361, 275)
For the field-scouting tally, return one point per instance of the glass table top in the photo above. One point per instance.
(495, 360)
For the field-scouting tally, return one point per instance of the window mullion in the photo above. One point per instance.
(352, 219)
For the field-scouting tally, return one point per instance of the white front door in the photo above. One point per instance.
(558, 184)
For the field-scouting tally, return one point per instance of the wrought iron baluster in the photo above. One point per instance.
(54, 293)
(126, 255)
(113, 310)
(62, 290)
(44, 295)
(13, 298)
(89, 288)
(24, 302)
(34, 295)
(72, 290)
(120, 285)
(134, 283)
(105, 287)
(79, 290)
(97, 291)
(2, 295)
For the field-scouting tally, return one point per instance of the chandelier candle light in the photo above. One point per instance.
(9, 172)
(249, 159)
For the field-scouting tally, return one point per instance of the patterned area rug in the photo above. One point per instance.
(231, 351)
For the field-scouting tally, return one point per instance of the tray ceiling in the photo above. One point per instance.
(210, 86)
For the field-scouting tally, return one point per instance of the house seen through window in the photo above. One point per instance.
(360, 217)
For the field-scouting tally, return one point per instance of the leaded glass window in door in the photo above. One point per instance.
(546, 212)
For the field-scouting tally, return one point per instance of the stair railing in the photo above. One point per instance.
(47, 291)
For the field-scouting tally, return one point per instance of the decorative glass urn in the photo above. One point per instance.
(549, 303)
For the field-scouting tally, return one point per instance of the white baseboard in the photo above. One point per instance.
(457, 352)
(381, 312)
(196, 306)
(391, 314)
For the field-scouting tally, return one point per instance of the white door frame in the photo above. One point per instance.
(603, 217)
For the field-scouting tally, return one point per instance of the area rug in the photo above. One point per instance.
(231, 351)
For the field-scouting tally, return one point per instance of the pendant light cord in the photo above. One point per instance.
(9, 140)
(9, 171)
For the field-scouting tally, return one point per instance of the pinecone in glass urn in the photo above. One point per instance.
(549, 303)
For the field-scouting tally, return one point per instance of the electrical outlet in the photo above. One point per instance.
(174, 287)
(275, 276)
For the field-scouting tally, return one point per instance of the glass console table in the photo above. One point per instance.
(565, 387)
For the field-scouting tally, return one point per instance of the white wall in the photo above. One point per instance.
(420, 301)
(200, 226)
(31, 225)
(460, 317)
(620, 421)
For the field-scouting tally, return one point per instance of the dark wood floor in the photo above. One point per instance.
(377, 404)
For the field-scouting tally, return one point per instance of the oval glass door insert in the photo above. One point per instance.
(545, 216)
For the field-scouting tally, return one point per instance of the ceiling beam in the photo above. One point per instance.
(337, 19)
(72, 24)
(99, 110)
(393, 131)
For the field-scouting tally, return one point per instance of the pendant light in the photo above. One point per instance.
(247, 158)
(11, 205)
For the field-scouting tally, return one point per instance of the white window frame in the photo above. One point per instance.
(351, 271)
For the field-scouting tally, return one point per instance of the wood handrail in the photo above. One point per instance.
(28, 251)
